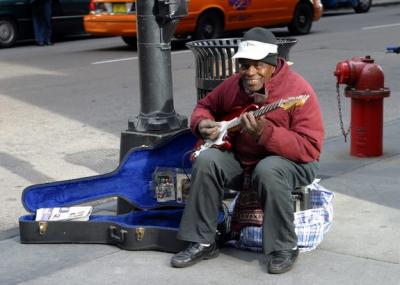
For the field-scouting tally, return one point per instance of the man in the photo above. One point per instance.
(281, 147)
(41, 17)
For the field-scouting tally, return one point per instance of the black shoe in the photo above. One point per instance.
(282, 261)
(193, 254)
(49, 44)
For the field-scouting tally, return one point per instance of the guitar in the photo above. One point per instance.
(232, 125)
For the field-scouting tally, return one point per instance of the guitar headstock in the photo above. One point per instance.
(293, 102)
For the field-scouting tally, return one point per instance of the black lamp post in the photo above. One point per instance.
(156, 21)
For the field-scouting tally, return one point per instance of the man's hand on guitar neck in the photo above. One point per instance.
(209, 129)
(254, 126)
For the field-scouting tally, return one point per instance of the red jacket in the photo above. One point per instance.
(296, 134)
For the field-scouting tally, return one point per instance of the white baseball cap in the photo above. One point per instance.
(258, 44)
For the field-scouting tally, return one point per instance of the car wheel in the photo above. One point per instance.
(8, 32)
(302, 20)
(363, 6)
(130, 41)
(209, 26)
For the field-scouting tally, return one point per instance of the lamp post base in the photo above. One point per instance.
(132, 139)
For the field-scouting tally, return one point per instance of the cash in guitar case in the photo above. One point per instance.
(152, 225)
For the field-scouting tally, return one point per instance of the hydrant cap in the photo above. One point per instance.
(368, 59)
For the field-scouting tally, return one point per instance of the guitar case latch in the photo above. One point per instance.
(42, 228)
(140, 233)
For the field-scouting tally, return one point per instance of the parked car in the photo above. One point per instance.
(359, 6)
(207, 19)
(16, 20)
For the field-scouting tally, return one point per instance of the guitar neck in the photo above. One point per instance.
(257, 113)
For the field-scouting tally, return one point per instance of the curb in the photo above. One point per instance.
(382, 4)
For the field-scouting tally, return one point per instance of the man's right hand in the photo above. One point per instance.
(209, 129)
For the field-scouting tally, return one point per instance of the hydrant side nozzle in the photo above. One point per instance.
(343, 73)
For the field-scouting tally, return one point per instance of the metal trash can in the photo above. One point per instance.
(214, 60)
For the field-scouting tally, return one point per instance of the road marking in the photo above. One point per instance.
(115, 60)
(381, 26)
(132, 58)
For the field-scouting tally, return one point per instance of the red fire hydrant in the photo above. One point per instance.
(365, 87)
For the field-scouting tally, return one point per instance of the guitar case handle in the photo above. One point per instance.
(117, 236)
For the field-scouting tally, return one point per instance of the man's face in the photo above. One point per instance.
(255, 73)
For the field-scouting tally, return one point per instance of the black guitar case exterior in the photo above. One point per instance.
(151, 225)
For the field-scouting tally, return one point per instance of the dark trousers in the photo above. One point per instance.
(274, 178)
(41, 16)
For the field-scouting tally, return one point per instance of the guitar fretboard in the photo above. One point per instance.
(257, 113)
(267, 108)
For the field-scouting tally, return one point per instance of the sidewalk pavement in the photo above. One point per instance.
(384, 2)
(362, 246)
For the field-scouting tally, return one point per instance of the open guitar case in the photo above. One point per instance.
(150, 225)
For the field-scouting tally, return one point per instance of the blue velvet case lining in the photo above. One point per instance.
(130, 181)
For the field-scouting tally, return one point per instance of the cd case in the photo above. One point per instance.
(171, 184)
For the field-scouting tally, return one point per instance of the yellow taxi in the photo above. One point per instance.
(207, 18)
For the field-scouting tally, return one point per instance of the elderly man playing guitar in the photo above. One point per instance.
(276, 131)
